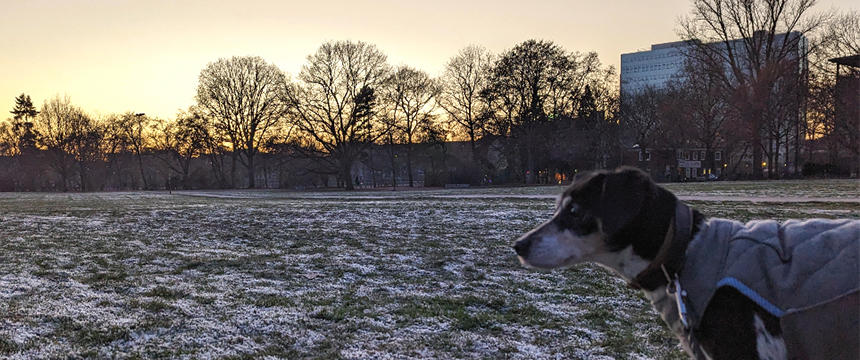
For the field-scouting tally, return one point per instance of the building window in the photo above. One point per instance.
(702, 155)
(695, 155)
(718, 155)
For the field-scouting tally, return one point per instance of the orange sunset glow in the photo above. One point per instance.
(145, 56)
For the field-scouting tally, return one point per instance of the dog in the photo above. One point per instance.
(697, 272)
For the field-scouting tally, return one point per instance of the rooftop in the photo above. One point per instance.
(852, 60)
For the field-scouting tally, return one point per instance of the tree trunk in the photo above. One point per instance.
(709, 160)
(530, 161)
(265, 173)
(787, 155)
(409, 162)
(372, 169)
(251, 182)
(393, 163)
(777, 144)
(756, 153)
(234, 157)
(346, 173)
(82, 175)
(476, 163)
(393, 175)
(796, 168)
(769, 160)
(777, 141)
(142, 173)
(432, 176)
(64, 177)
(185, 170)
(473, 145)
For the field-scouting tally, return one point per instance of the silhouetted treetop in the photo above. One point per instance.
(24, 109)
(244, 97)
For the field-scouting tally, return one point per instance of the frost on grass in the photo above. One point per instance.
(389, 276)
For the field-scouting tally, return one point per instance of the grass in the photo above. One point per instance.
(247, 274)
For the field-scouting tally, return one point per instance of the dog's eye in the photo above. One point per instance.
(574, 208)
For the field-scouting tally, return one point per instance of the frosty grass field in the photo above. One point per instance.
(420, 274)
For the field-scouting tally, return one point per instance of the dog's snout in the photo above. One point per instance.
(522, 247)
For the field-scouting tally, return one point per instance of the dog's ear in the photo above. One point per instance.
(589, 179)
(621, 198)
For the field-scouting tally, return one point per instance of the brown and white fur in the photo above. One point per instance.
(619, 220)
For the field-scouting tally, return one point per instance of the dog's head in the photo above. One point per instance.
(600, 214)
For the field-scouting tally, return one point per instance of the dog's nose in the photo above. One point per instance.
(522, 247)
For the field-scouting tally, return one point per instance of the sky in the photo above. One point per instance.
(113, 56)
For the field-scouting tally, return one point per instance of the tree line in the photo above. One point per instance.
(344, 101)
(533, 113)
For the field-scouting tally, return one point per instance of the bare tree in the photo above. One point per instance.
(89, 151)
(604, 86)
(71, 138)
(411, 93)
(640, 113)
(530, 84)
(707, 109)
(244, 97)
(116, 148)
(756, 49)
(597, 107)
(132, 128)
(466, 76)
(391, 137)
(177, 143)
(9, 136)
(335, 101)
(673, 130)
(54, 124)
(841, 37)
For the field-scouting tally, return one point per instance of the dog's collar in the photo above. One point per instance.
(669, 260)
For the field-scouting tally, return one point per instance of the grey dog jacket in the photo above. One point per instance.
(805, 273)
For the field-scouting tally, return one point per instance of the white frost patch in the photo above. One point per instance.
(391, 276)
(362, 269)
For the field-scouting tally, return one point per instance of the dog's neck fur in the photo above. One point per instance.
(630, 264)
(668, 261)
